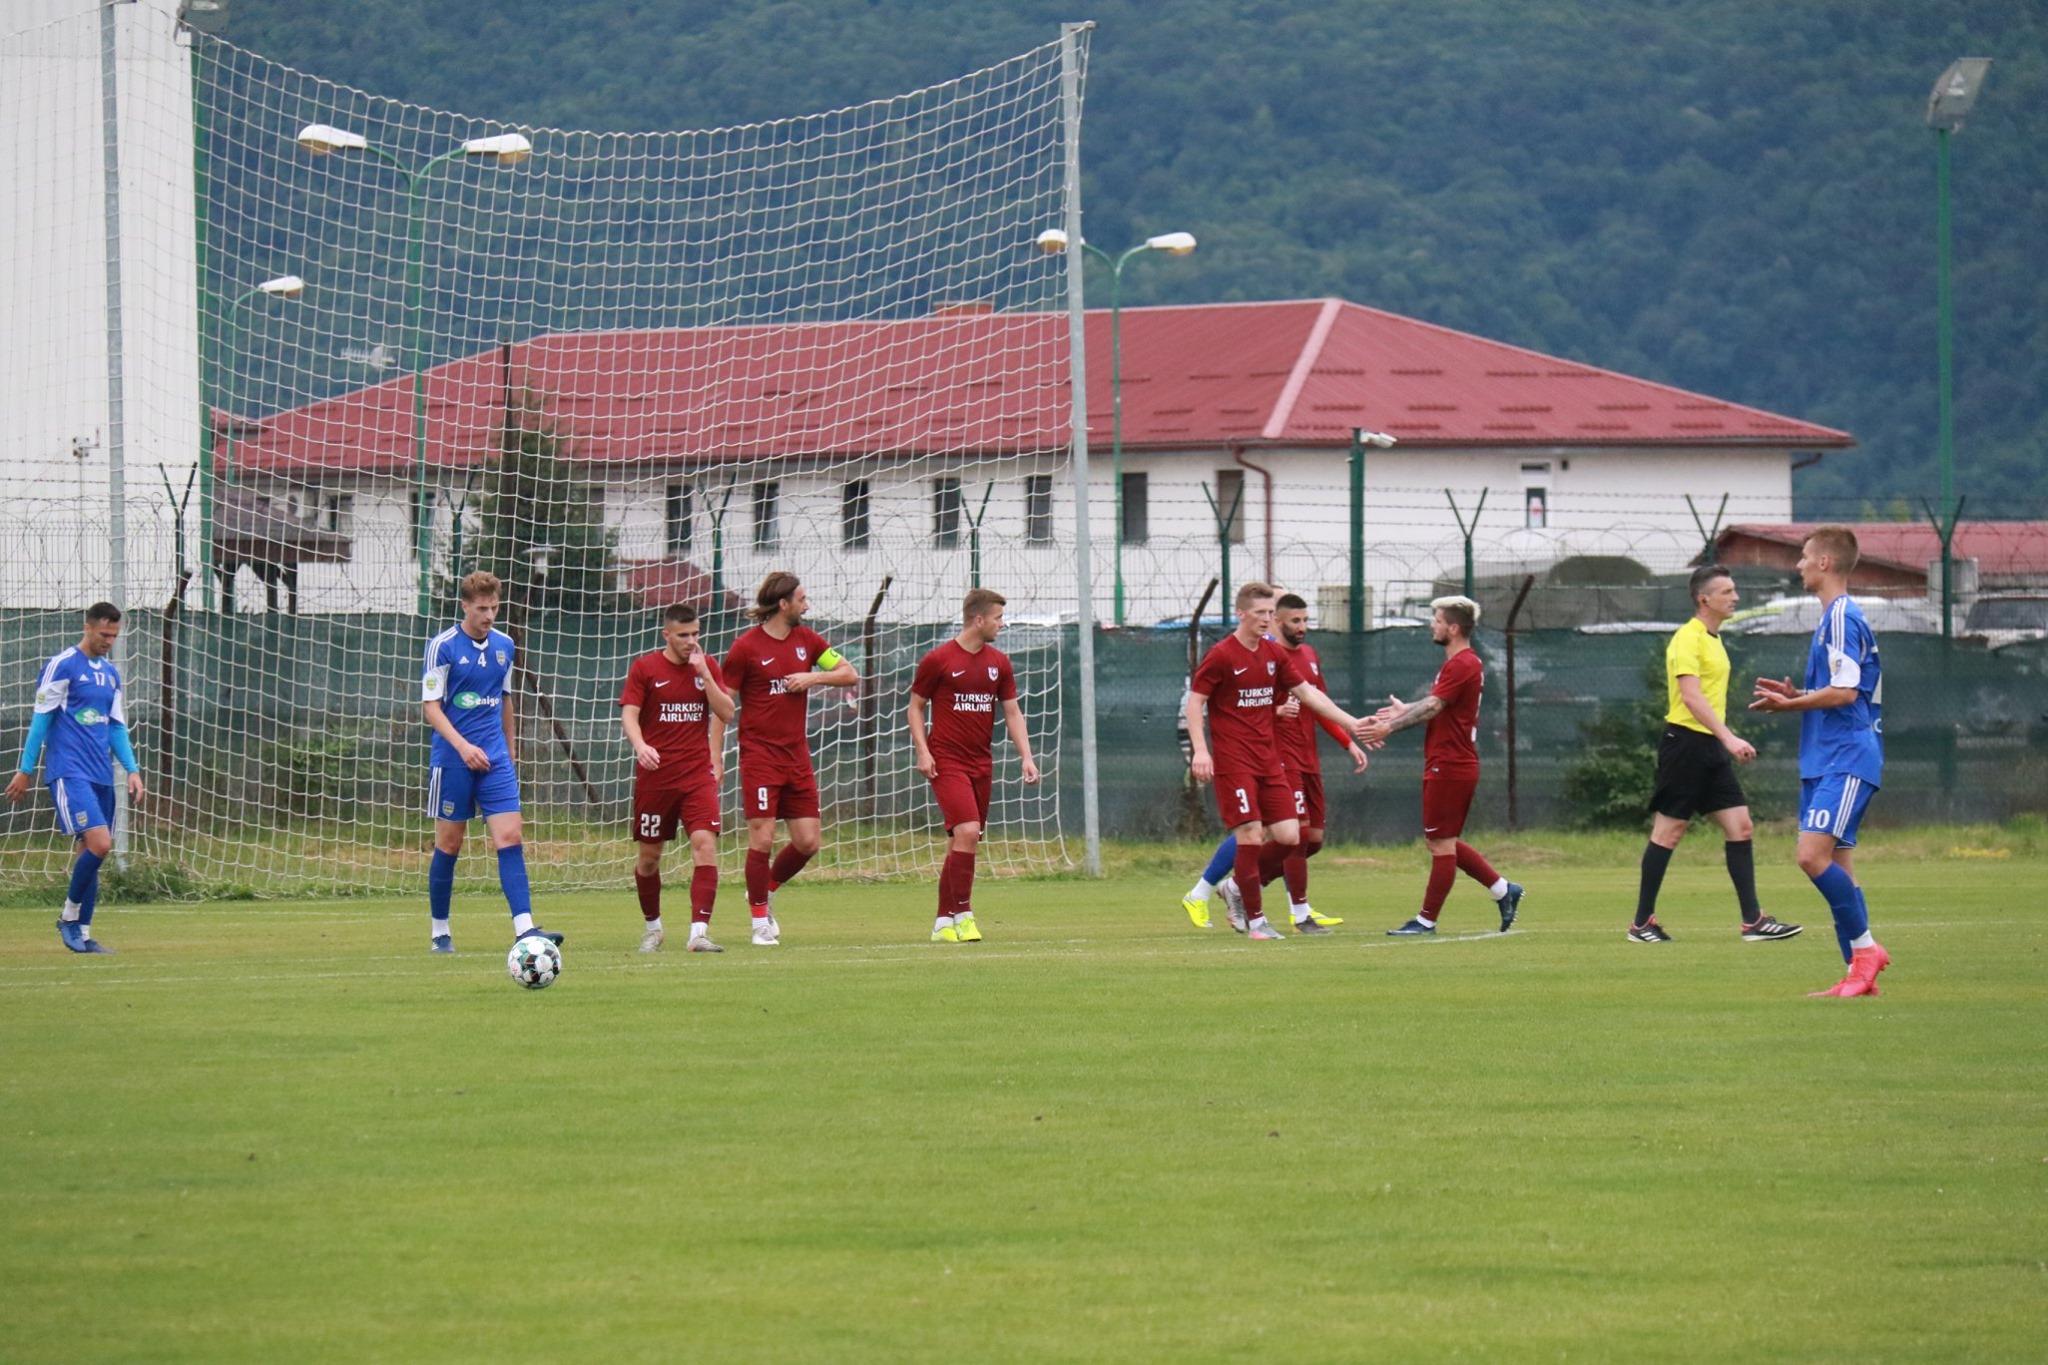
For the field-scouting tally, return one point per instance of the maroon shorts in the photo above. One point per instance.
(962, 796)
(1446, 800)
(1312, 806)
(779, 796)
(1241, 797)
(659, 815)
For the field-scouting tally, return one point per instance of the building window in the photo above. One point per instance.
(1536, 495)
(853, 515)
(1136, 513)
(767, 530)
(1038, 509)
(677, 517)
(946, 512)
(1229, 500)
(338, 513)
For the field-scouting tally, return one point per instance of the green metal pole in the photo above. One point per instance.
(1356, 622)
(1116, 430)
(1356, 616)
(423, 521)
(207, 304)
(1945, 307)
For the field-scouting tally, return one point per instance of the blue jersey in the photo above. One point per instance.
(1844, 739)
(82, 696)
(469, 680)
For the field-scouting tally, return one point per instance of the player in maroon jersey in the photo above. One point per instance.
(1303, 764)
(1450, 765)
(961, 683)
(1239, 683)
(666, 707)
(771, 670)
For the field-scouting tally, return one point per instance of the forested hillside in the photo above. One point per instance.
(1731, 195)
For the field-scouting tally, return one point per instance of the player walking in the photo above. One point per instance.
(80, 717)
(961, 683)
(1239, 682)
(1696, 764)
(465, 696)
(1302, 764)
(665, 707)
(1841, 748)
(770, 670)
(1450, 765)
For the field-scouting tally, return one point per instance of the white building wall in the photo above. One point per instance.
(1608, 502)
(54, 444)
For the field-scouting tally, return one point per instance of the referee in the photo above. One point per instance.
(1696, 763)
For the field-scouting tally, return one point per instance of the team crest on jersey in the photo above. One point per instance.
(800, 655)
(1270, 670)
(991, 672)
(699, 682)
(501, 658)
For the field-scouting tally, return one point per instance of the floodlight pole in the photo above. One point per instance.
(1945, 345)
(1116, 266)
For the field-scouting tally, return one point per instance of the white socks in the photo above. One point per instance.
(1201, 891)
(522, 925)
(1499, 888)
(1863, 940)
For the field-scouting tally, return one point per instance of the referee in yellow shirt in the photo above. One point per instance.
(1696, 763)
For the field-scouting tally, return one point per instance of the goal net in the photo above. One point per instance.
(619, 370)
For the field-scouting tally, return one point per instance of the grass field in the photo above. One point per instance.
(285, 1132)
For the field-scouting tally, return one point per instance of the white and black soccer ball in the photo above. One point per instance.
(534, 962)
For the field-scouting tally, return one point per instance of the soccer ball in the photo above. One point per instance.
(534, 962)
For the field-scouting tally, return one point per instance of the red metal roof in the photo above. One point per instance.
(2001, 548)
(1293, 373)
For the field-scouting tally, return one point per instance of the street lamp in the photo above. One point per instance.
(282, 287)
(1950, 102)
(501, 149)
(1052, 241)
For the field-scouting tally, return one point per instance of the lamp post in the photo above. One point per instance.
(503, 149)
(282, 287)
(1053, 241)
(1953, 95)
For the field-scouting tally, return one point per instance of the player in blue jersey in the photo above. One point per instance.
(466, 695)
(1841, 748)
(79, 717)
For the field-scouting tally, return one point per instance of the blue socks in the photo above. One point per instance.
(440, 885)
(84, 891)
(1845, 903)
(1224, 860)
(512, 880)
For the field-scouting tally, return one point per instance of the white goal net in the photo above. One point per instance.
(620, 370)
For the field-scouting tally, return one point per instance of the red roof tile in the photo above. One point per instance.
(1295, 373)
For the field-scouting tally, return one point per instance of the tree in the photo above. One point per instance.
(540, 524)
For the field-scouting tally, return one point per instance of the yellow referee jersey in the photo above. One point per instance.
(1697, 651)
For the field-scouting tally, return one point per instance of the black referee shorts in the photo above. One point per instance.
(1695, 775)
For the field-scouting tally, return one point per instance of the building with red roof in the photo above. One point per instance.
(813, 442)
(1903, 558)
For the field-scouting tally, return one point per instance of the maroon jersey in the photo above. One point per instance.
(1298, 736)
(772, 738)
(1243, 686)
(675, 717)
(964, 691)
(1451, 743)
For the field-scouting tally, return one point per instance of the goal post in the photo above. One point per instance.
(622, 371)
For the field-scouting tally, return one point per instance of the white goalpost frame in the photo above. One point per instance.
(960, 177)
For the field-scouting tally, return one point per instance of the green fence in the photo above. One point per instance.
(254, 723)
(1966, 731)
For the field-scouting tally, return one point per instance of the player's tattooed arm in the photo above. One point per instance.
(1398, 715)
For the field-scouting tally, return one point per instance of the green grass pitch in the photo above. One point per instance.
(285, 1132)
